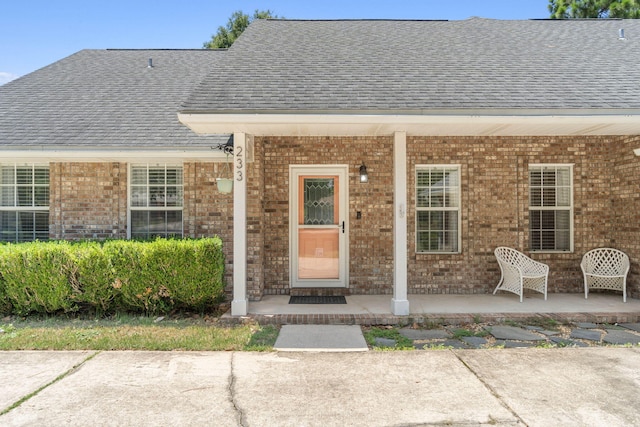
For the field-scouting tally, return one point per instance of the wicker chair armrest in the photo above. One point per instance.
(536, 268)
(605, 275)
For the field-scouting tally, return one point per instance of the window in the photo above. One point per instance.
(24, 203)
(155, 201)
(550, 207)
(438, 209)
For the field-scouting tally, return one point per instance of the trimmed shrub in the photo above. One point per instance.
(133, 292)
(94, 277)
(186, 272)
(119, 275)
(36, 277)
(5, 304)
(160, 276)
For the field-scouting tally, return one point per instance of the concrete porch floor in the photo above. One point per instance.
(451, 309)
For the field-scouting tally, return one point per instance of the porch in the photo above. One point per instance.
(450, 309)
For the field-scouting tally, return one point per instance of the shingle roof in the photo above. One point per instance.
(106, 98)
(422, 66)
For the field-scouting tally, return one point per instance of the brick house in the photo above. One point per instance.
(369, 157)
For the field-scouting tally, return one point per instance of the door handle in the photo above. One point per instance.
(342, 227)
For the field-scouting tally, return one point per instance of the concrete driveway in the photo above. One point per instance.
(533, 387)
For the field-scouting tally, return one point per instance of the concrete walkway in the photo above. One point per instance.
(327, 338)
(508, 387)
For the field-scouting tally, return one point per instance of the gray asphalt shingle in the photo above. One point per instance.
(424, 66)
(106, 98)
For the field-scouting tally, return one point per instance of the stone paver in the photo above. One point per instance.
(475, 342)
(563, 342)
(450, 343)
(424, 334)
(513, 333)
(610, 327)
(586, 334)
(621, 337)
(632, 326)
(586, 325)
(454, 343)
(514, 344)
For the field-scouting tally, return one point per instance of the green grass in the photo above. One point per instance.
(402, 343)
(263, 339)
(134, 334)
(462, 332)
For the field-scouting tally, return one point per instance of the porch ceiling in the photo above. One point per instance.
(431, 125)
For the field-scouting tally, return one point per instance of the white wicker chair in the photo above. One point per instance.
(520, 272)
(605, 268)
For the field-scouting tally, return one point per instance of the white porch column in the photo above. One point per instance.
(400, 303)
(239, 305)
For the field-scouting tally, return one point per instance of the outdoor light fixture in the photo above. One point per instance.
(364, 177)
(225, 147)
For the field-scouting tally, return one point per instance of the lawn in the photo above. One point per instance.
(191, 333)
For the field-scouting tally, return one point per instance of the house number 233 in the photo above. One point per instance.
(239, 164)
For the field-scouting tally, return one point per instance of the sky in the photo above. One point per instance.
(35, 33)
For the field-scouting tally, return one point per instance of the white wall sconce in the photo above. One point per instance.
(364, 176)
(637, 151)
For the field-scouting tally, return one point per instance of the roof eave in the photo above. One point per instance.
(433, 123)
(43, 153)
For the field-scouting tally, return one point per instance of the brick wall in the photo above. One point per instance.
(256, 259)
(371, 237)
(208, 212)
(625, 194)
(88, 200)
(494, 179)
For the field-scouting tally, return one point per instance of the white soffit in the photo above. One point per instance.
(154, 155)
(428, 125)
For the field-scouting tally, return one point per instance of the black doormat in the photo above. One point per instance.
(314, 299)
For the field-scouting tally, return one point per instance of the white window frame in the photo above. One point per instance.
(457, 209)
(555, 166)
(147, 208)
(31, 208)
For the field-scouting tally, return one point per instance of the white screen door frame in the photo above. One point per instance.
(312, 250)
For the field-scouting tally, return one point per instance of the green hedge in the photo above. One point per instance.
(115, 276)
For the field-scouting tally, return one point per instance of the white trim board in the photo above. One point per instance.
(146, 156)
(432, 124)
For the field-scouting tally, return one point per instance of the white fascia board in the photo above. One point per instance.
(432, 124)
(97, 155)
